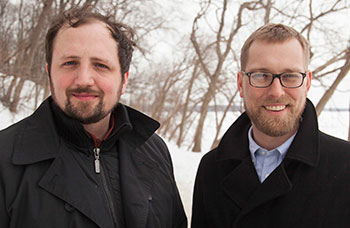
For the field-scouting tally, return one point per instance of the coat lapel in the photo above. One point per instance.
(136, 171)
(79, 190)
(241, 183)
(38, 141)
(276, 185)
(244, 188)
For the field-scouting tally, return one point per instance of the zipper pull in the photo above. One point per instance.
(97, 159)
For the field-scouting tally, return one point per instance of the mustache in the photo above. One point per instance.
(86, 89)
(283, 99)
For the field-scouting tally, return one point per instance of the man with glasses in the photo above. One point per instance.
(273, 167)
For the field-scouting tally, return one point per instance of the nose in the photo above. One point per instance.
(275, 89)
(84, 75)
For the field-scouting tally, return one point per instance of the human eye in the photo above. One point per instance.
(101, 65)
(291, 76)
(69, 63)
(261, 76)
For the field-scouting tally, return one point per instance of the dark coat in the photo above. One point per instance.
(42, 185)
(311, 187)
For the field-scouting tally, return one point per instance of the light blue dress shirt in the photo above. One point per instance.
(266, 161)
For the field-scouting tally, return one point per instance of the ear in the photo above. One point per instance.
(47, 70)
(125, 82)
(240, 83)
(308, 80)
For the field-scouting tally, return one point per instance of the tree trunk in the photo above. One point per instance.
(186, 104)
(199, 131)
(328, 94)
(37, 31)
(7, 98)
(17, 96)
(268, 7)
(218, 129)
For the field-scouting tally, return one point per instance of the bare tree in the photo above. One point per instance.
(199, 74)
(22, 55)
(268, 11)
(222, 46)
(343, 71)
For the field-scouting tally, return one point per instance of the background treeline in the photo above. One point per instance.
(187, 54)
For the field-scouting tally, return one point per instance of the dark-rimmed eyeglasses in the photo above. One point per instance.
(265, 79)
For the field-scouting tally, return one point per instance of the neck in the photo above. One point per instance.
(100, 128)
(270, 142)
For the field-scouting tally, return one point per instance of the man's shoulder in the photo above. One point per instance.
(25, 134)
(8, 137)
(210, 155)
(155, 149)
(331, 143)
(155, 144)
(35, 117)
(335, 153)
(11, 131)
(209, 159)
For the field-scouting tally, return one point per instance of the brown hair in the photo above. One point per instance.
(75, 17)
(274, 33)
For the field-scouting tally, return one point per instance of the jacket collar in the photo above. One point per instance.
(304, 148)
(73, 132)
(38, 138)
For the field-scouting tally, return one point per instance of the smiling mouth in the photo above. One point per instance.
(275, 108)
(84, 96)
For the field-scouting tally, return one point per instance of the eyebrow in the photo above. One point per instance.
(69, 57)
(100, 59)
(92, 58)
(283, 71)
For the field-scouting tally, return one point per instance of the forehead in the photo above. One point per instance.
(276, 56)
(91, 36)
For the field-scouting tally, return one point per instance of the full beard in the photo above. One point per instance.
(272, 125)
(85, 112)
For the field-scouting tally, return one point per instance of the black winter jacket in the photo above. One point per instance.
(311, 187)
(47, 182)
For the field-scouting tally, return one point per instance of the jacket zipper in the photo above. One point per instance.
(97, 159)
(99, 170)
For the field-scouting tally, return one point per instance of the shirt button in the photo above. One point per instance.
(263, 152)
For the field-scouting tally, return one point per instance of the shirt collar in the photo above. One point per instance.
(98, 141)
(282, 149)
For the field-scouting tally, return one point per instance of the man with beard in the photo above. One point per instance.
(83, 159)
(273, 167)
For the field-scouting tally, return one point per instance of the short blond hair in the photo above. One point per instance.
(274, 33)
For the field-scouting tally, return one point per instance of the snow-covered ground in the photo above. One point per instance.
(185, 168)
